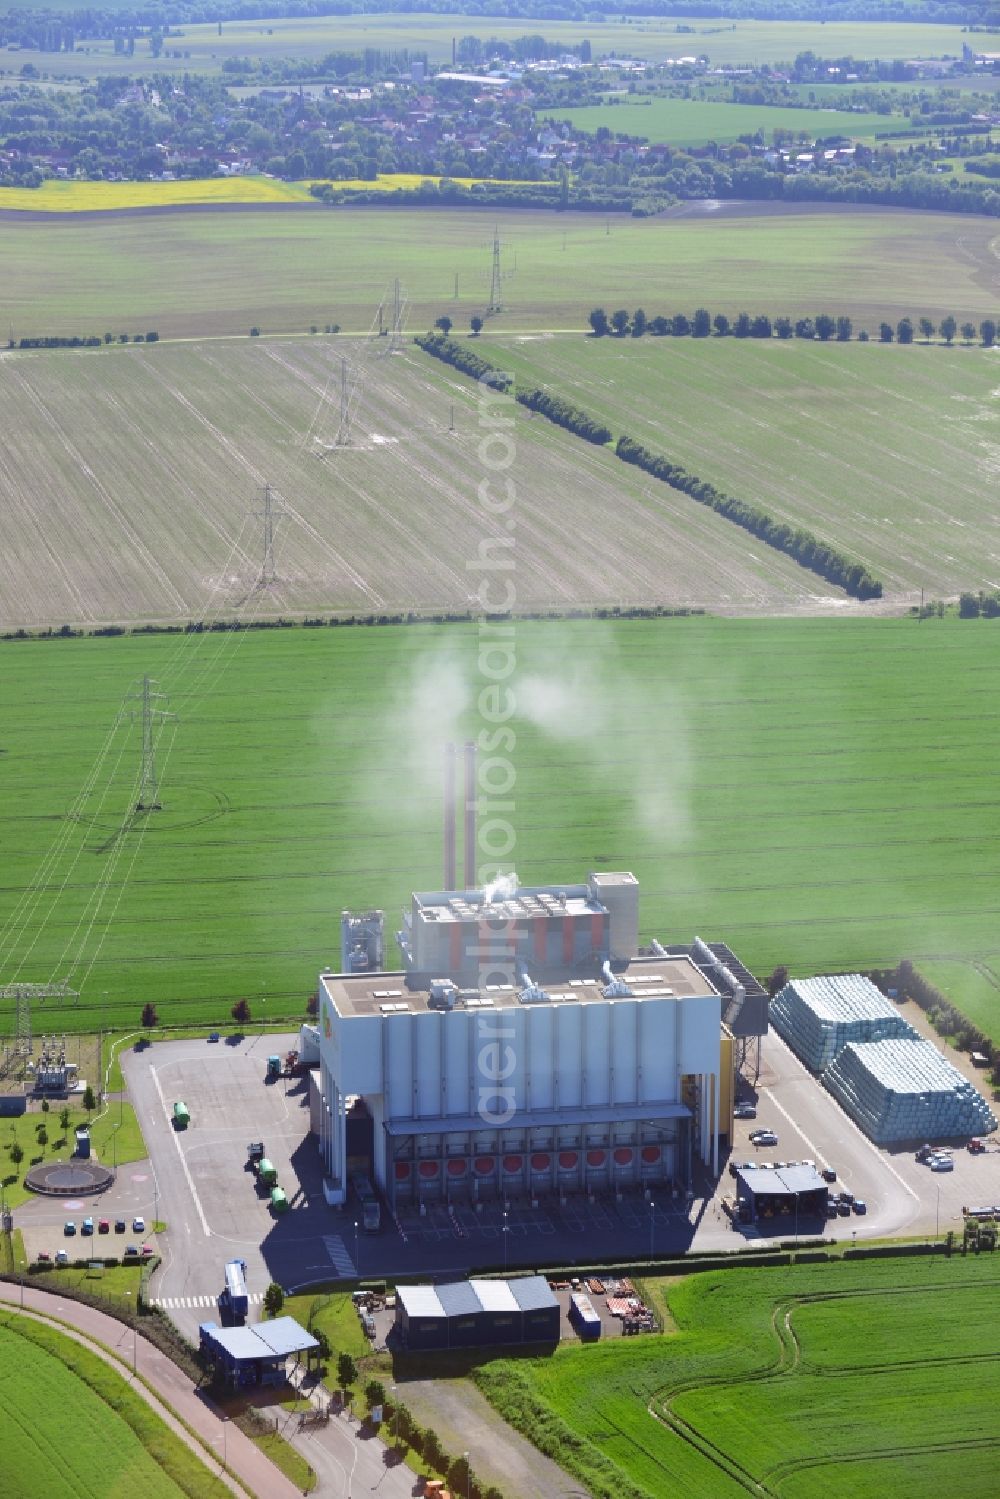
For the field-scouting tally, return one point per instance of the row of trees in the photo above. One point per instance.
(824, 327)
(808, 550)
(979, 605)
(818, 556)
(76, 342)
(534, 397)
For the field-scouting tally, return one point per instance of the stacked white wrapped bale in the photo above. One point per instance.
(820, 1016)
(904, 1090)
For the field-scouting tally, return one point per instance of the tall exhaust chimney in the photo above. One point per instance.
(470, 815)
(449, 817)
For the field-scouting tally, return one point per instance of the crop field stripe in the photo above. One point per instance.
(793, 427)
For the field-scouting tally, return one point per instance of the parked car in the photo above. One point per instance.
(942, 1163)
(138, 1225)
(745, 1111)
(213, 1035)
(120, 1225)
(844, 1209)
(828, 1174)
(131, 1250)
(103, 1226)
(764, 1137)
(860, 1206)
(69, 1227)
(976, 1147)
(44, 1258)
(832, 1208)
(87, 1226)
(62, 1257)
(847, 1197)
(147, 1250)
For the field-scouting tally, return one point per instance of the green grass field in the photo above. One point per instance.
(72, 1426)
(801, 1401)
(115, 1138)
(889, 451)
(189, 273)
(336, 1316)
(655, 38)
(817, 792)
(691, 122)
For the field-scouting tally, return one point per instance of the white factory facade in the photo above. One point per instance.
(526, 1049)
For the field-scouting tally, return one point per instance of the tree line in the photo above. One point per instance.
(92, 341)
(818, 556)
(534, 397)
(805, 548)
(824, 327)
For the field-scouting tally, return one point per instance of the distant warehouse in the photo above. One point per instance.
(477, 1313)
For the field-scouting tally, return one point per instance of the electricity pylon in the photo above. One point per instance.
(149, 787)
(269, 512)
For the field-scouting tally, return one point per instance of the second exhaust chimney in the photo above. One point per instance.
(450, 876)
(470, 815)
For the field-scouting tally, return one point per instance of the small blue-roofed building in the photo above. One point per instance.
(789, 1193)
(245, 1356)
(477, 1314)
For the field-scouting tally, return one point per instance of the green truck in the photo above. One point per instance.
(266, 1173)
(182, 1117)
(279, 1202)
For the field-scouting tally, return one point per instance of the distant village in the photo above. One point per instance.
(488, 117)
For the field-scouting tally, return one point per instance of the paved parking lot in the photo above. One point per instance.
(213, 1212)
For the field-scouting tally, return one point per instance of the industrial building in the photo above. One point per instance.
(245, 1356)
(526, 1047)
(904, 1090)
(572, 1075)
(796, 1193)
(820, 1016)
(477, 1314)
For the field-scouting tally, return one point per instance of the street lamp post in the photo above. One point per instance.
(395, 1416)
(652, 1222)
(357, 1252)
(504, 1232)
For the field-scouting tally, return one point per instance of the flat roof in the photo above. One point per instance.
(268, 1340)
(370, 994)
(283, 1335)
(790, 1181)
(524, 904)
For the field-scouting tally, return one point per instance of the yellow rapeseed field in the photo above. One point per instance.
(89, 197)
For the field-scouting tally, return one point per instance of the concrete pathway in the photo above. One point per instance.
(255, 1472)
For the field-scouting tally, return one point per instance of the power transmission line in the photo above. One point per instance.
(148, 798)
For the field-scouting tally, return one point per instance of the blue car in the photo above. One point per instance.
(69, 1227)
(87, 1226)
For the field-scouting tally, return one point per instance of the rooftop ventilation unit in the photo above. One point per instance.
(531, 994)
(615, 987)
(443, 994)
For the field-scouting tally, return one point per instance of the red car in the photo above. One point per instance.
(976, 1147)
(103, 1226)
(147, 1250)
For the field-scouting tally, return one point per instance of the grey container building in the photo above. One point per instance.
(904, 1090)
(818, 1017)
(477, 1313)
